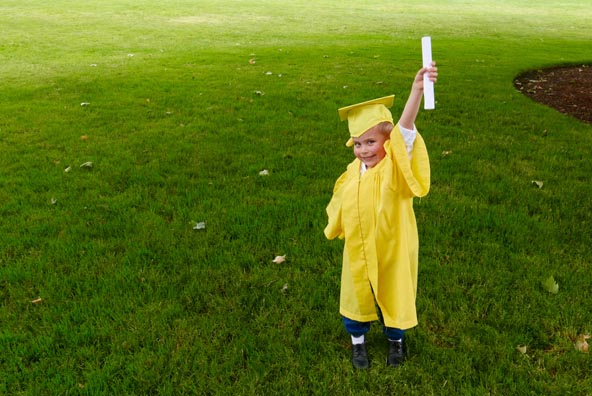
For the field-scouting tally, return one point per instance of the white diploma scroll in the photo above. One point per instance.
(428, 86)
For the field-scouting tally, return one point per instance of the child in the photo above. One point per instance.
(372, 209)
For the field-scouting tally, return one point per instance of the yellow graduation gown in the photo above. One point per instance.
(373, 212)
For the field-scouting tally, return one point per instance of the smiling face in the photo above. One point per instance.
(369, 147)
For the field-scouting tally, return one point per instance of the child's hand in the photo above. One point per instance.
(432, 72)
(409, 114)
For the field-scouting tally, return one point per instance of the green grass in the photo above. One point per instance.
(135, 301)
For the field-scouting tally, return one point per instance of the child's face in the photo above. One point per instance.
(369, 147)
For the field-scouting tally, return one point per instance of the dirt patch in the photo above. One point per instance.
(567, 89)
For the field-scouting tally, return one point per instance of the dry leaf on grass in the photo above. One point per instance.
(521, 349)
(538, 183)
(581, 344)
(279, 259)
(87, 164)
(550, 285)
(200, 226)
(264, 172)
(37, 300)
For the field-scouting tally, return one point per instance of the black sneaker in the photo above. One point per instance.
(396, 353)
(360, 356)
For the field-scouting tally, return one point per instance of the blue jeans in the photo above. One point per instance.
(357, 329)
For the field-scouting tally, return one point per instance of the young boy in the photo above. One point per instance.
(372, 209)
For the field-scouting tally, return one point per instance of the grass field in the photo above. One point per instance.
(178, 105)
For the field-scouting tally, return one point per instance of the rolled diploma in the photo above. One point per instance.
(428, 86)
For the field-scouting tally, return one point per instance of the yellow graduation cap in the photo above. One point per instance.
(363, 116)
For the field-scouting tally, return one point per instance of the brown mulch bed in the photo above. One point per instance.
(567, 89)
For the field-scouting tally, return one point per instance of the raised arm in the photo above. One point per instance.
(411, 109)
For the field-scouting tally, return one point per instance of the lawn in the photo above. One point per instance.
(125, 124)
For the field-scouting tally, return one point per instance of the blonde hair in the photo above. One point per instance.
(384, 127)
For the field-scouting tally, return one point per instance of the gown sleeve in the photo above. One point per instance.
(415, 171)
(334, 228)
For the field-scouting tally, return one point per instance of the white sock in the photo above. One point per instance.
(401, 340)
(357, 340)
